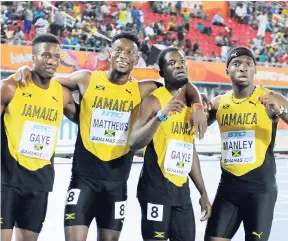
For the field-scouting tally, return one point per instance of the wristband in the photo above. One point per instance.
(198, 104)
(161, 117)
(283, 112)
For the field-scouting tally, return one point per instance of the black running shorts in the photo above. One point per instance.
(84, 203)
(230, 209)
(160, 222)
(23, 208)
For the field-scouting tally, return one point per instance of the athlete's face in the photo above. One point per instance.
(175, 69)
(123, 55)
(46, 59)
(242, 70)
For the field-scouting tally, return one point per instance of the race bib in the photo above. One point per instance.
(238, 147)
(155, 212)
(178, 158)
(109, 127)
(120, 210)
(37, 140)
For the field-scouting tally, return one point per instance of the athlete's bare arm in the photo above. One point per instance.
(146, 124)
(147, 87)
(214, 107)
(283, 102)
(71, 108)
(192, 96)
(78, 80)
(196, 177)
(273, 102)
(8, 89)
(195, 174)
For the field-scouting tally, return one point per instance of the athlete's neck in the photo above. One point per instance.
(242, 92)
(117, 77)
(39, 80)
(173, 88)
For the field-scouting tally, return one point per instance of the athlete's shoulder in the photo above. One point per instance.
(159, 90)
(54, 83)
(151, 101)
(150, 82)
(263, 90)
(81, 74)
(8, 88)
(9, 84)
(98, 73)
(216, 102)
(227, 94)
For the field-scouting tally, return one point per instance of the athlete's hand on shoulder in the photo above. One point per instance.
(270, 101)
(205, 207)
(25, 72)
(174, 105)
(199, 120)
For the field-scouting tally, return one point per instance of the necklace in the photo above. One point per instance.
(247, 98)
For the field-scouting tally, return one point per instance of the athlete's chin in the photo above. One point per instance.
(123, 70)
(242, 83)
(182, 82)
(47, 75)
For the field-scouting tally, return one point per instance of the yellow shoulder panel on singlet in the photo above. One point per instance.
(32, 120)
(173, 143)
(106, 116)
(246, 132)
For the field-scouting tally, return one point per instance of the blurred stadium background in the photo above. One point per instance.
(204, 30)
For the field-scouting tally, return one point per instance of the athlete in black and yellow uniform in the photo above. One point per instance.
(30, 119)
(246, 117)
(170, 156)
(102, 158)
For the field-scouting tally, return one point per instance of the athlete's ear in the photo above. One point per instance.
(227, 72)
(137, 58)
(33, 58)
(161, 73)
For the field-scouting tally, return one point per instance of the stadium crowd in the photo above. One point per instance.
(85, 26)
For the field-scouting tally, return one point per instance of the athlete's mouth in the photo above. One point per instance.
(243, 77)
(122, 64)
(49, 69)
(180, 73)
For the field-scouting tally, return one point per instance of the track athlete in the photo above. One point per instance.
(163, 126)
(247, 117)
(30, 120)
(102, 159)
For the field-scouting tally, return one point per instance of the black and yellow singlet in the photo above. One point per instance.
(248, 137)
(168, 158)
(101, 149)
(29, 129)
